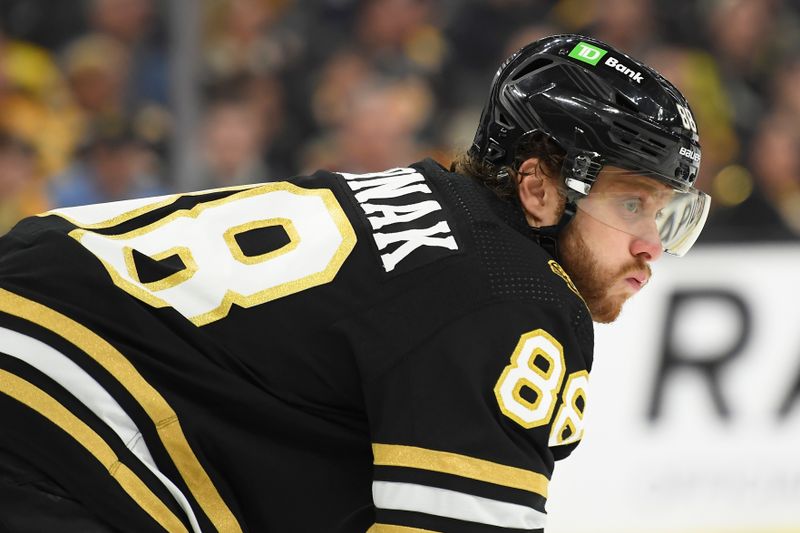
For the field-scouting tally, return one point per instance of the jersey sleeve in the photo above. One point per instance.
(466, 426)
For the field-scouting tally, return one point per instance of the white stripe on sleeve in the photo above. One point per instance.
(85, 388)
(452, 504)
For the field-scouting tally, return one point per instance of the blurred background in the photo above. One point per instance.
(110, 99)
(694, 422)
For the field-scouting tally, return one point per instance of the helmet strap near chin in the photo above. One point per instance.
(547, 236)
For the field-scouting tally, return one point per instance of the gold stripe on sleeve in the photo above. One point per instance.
(47, 406)
(165, 419)
(459, 465)
(389, 528)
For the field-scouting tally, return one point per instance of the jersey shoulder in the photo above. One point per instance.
(504, 246)
(497, 265)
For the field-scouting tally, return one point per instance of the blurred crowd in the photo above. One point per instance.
(88, 100)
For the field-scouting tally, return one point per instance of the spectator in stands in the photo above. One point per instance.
(113, 164)
(746, 47)
(401, 34)
(775, 160)
(134, 25)
(35, 101)
(761, 204)
(380, 128)
(247, 36)
(231, 139)
(21, 181)
(784, 95)
(629, 24)
(261, 45)
(97, 69)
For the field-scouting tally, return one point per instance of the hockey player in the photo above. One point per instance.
(395, 352)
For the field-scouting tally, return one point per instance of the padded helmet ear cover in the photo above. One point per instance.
(597, 104)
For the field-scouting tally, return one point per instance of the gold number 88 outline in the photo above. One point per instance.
(321, 238)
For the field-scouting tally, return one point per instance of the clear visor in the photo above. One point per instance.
(645, 206)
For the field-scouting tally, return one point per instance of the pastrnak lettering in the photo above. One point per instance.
(396, 203)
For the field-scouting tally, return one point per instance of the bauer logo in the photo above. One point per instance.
(690, 154)
(587, 53)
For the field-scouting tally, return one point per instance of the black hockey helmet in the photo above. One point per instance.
(604, 109)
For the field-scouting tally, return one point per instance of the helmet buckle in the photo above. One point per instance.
(580, 167)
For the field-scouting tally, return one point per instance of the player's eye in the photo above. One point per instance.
(631, 206)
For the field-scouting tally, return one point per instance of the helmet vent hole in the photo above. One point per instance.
(533, 66)
(502, 120)
(649, 151)
(624, 102)
(625, 128)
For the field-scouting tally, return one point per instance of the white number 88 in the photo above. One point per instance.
(538, 365)
(217, 272)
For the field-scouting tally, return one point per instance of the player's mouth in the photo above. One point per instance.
(637, 280)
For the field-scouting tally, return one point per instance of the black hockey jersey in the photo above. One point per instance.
(387, 352)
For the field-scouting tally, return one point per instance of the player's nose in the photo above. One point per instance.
(647, 246)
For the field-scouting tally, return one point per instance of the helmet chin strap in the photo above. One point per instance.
(547, 236)
(582, 167)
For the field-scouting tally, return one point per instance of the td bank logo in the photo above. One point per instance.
(591, 54)
(587, 53)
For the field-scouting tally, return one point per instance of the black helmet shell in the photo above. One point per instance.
(599, 105)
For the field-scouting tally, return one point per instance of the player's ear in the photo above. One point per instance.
(538, 194)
